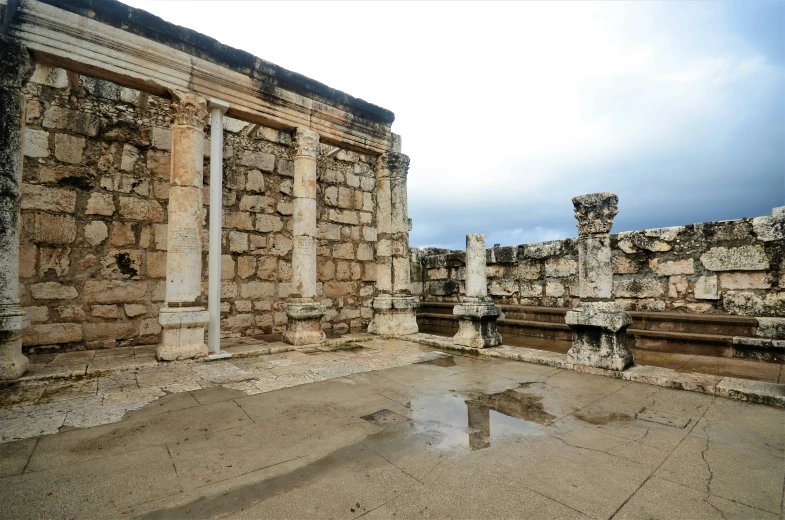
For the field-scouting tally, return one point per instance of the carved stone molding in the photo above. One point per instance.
(595, 212)
(306, 142)
(189, 109)
(16, 67)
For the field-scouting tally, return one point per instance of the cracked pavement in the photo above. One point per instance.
(389, 429)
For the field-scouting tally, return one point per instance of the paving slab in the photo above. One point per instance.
(419, 433)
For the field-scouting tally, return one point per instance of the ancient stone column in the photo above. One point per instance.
(393, 305)
(183, 316)
(15, 70)
(598, 323)
(476, 313)
(304, 314)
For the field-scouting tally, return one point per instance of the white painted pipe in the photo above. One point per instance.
(217, 110)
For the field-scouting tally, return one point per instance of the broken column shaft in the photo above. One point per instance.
(393, 305)
(15, 70)
(304, 315)
(183, 317)
(476, 313)
(598, 323)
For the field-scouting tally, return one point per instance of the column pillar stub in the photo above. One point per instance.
(183, 318)
(16, 68)
(304, 314)
(598, 323)
(477, 313)
(393, 305)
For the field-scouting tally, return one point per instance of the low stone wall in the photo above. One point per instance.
(733, 267)
(94, 220)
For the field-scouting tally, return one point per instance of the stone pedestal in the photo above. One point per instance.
(477, 324)
(182, 336)
(477, 314)
(394, 315)
(303, 326)
(183, 318)
(598, 323)
(15, 70)
(393, 305)
(599, 337)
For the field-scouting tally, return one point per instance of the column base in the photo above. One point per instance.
(599, 335)
(394, 315)
(183, 333)
(304, 325)
(477, 324)
(13, 322)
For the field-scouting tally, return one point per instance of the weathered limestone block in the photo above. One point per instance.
(671, 267)
(598, 323)
(36, 143)
(182, 333)
(560, 267)
(706, 288)
(737, 281)
(743, 303)
(541, 250)
(393, 315)
(53, 333)
(742, 258)
(770, 229)
(638, 288)
(36, 196)
(477, 314)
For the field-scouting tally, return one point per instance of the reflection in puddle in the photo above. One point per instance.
(477, 419)
(447, 361)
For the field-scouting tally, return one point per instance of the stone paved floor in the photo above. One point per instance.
(392, 429)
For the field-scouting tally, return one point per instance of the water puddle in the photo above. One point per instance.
(472, 420)
(446, 361)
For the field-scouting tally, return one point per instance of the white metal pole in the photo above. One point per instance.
(217, 110)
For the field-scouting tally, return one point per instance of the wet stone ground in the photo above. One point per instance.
(387, 429)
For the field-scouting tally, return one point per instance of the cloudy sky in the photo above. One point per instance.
(508, 110)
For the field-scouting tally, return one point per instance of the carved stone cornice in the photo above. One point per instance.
(189, 109)
(595, 212)
(306, 142)
(16, 67)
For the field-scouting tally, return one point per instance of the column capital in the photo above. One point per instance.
(306, 142)
(595, 212)
(392, 164)
(188, 109)
(16, 66)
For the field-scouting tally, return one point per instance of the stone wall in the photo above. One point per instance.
(733, 267)
(94, 210)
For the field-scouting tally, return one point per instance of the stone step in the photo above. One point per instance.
(667, 332)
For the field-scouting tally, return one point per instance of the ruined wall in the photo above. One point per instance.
(733, 267)
(94, 211)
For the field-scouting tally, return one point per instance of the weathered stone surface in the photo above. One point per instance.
(53, 333)
(36, 196)
(560, 267)
(74, 121)
(595, 212)
(53, 291)
(672, 267)
(743, 258)
(54, 229)
(69, 148)
(36, 143)
(54, 259)
(141, 209)
(637, 288)
(769, 229)
(114, 291)
(736, 281)
(706, 288)
(100, 204)
(744, 303)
